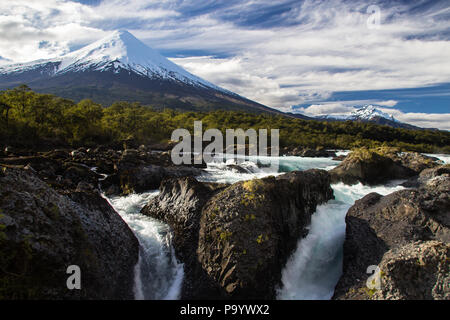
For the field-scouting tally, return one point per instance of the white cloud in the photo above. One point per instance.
(334, 51)
(288, 64)
(388, 103)
(423, 120)
(131, 9)
(333, 109)
(25, 24)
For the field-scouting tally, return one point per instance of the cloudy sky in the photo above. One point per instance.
(314, 57)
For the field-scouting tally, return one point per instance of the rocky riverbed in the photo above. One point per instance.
(240, 231)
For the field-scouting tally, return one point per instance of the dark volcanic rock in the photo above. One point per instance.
(310, 153)
(234, 240)
(140, 178)
(48, 166)
(317, 153)
(416, 162)
(416, 271)
(427, 175)
(111, 185)
(370, 168)
(149, 177)
(248, 230)
(75, 173)
(339, 158)
(139, 172)
(43, 232)
(131, 170)
(376, 224)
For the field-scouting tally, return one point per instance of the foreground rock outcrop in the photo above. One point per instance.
(416, 271)
(239, 237)
(381, 229)
(42, 232)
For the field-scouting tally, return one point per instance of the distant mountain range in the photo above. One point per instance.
(370, 113)
(122, 68)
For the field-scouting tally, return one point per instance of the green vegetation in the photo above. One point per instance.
(31, 119)
(261, 239)
(225, 236)
(253, 185)
(249, 217)
(365, 154)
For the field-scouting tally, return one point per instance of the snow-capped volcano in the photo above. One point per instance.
(117, 52)
(370, 112)
(364, 113)
(120, 67)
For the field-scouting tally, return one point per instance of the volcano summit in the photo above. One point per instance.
(120, 67)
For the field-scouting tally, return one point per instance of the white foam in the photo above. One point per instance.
(257, 167)
(445, 158)
(315, 267)
(311, 272)
(158, 274)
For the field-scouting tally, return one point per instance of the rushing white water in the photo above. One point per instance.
(316, 265)
(311, 272)
(258, 167)
(445, 158)
(314, 268)
(158, 274)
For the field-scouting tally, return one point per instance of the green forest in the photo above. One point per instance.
(30, 119)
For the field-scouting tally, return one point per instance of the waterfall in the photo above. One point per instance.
(158, 274)
(315, 267)
(311, 272)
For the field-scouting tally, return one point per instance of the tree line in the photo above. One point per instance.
(31, 119)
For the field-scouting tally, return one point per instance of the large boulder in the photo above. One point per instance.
(140, 178)
(76, 173)
(234, 240)
(248, 230)
(416, 271)
(377, 224)
(138, 171)
(136, 179)
(426, 175)
(369, 167)
(415, 161)
(43, 232)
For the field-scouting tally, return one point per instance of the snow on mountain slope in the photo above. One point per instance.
(365, 113)
(370, 112)
(116, 52)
